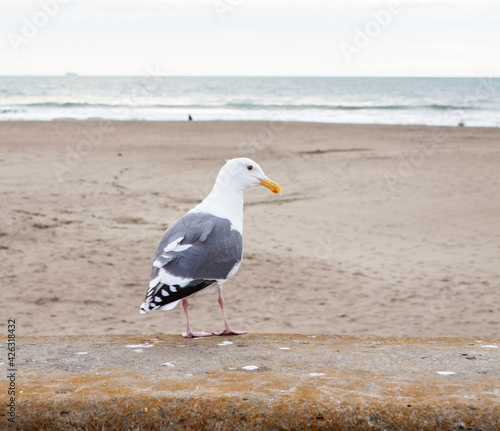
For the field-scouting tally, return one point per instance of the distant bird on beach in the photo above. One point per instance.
(190, 118)
(205, 246)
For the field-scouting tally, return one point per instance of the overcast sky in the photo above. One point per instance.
(250, 37)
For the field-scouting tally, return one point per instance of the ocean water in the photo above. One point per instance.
(428, 101)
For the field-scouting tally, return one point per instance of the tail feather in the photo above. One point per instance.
(167, 297)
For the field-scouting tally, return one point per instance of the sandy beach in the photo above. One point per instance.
(383, 230)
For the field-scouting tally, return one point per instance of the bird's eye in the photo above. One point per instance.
(249, 167)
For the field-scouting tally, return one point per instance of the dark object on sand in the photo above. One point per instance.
(190, 118)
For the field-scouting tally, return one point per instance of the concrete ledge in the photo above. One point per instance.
(302, 382)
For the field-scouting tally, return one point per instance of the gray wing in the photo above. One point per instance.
(194, 252)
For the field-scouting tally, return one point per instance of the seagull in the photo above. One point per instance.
(202, 250)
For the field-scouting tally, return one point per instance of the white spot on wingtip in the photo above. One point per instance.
(250, 367)
(82, 353)
(225, 343)
(446, 373)
(491, 346)
(316, 374)
(284, 348)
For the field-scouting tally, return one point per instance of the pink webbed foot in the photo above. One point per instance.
(229, 331)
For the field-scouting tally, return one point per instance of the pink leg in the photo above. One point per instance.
(189, 333)
(227, 329)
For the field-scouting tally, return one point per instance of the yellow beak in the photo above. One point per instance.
(271, 185)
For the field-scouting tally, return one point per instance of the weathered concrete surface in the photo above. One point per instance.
(302, 382)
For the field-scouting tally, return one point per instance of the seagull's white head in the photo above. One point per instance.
(243, 173)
